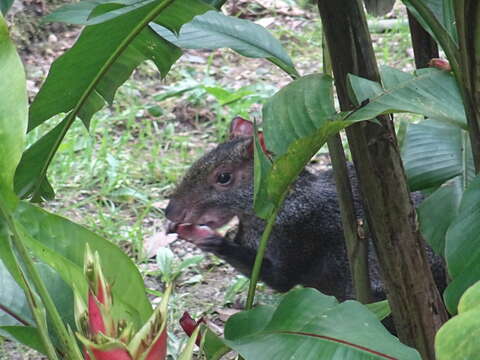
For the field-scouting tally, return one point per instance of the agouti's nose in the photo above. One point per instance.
(174, 212)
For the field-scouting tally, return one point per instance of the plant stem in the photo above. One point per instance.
(262, 246)
(69, 344)
(357, 245)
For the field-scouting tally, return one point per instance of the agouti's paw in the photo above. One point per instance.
(202, 236)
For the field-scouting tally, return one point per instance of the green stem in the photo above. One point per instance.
(35, 308)
(262, 246)
(70, 346)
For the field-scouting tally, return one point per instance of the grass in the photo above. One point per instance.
(115, 178)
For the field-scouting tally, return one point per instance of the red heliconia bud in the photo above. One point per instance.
(189, 325)
(114, 354)
(158, 351)
(95, 319)
(440, 64)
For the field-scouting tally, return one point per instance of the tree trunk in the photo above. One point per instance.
(424, 47)
(417, 307)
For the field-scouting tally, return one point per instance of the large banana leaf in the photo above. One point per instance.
(428, 92)
(434, 152)
(310, 325)
(87, 76)
(13, 115)
(213, 30)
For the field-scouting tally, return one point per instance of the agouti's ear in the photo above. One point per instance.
(240, 127)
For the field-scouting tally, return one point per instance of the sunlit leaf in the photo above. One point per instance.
(13, 114)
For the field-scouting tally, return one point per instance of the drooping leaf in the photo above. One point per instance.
(310, 325)
(13, 114)
(80, 84)
(433, 153)
(30, 177)
(297, 121)
(458, 337)
(462, 248)
(213, 30)
(67, 239)
(429, 92)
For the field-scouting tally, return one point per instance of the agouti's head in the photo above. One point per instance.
(219, 185)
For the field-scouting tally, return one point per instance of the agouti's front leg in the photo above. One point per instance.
(240, 257)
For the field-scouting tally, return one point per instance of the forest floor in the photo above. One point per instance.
(115, 179)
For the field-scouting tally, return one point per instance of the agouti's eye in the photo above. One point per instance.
(224, 178)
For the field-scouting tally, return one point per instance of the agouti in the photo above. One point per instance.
(306, 246)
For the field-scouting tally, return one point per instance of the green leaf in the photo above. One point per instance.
(76, 13)
(310, 325)
(433, 153)
(470, 299)
(26, 335)
(79, 84)
(458, 337)
(297, 121)
(442, 12)
(381, 309)
(67, 239)
(30, 177)
(14, 309)
(436, 213)
(462, 248)
(5, 6)
(187, 352)
(13, 114)
(262, 167)
(225, 97)
(297, 111)
(429, 92)
(213, 30)
(213, 345)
